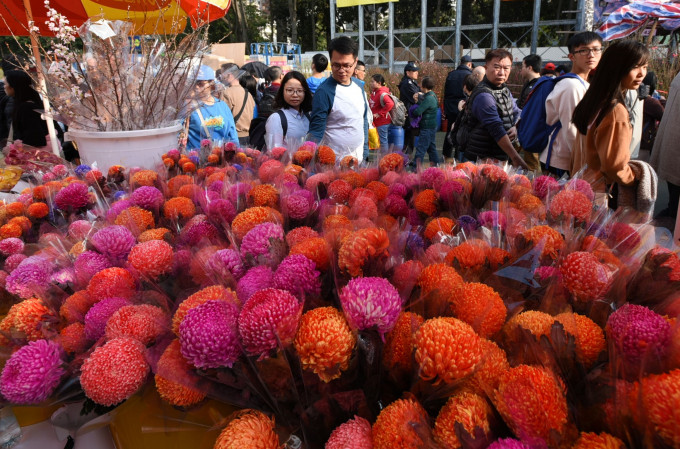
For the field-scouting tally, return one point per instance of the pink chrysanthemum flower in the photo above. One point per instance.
(13, 261)
(98, 315)
(255, 279)
(144, 322)
(148, 197)
(298, 275)
(114, 372)
(369, 302)
(581, 185)
(72, 197)
(543, 185)
(79, 229)
(508, 443)
(269, 317)
(208, 335)
(638, 334)
(227, 264)
(355, 433)
(396, 206)
(405, 275)
(89, 263)
(32, 373)
(296, 206)
(30, 278)
(492, 219)
(313, 181)
(116, 208)
(114, 242)
(263, 245)
(238, 192)
(199, 230)
(11, 246)
(432, 178)
(221, 210)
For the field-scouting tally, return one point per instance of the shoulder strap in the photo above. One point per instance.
(284, 121)
(382, 97)
(243, 106)
(205, 128)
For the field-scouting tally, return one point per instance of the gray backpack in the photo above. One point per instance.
(398, 112)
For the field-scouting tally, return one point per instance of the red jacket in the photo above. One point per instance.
(378, 108)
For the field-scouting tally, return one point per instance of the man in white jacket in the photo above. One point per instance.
(585, 50)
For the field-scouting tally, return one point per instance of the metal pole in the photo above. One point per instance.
(332, 13)
(390, 37)
(459, 24)
(361, 32)
(534, 28)
(496, 19)
(423, 25)
(581, 15)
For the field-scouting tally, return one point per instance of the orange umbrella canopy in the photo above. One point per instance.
(148, 16)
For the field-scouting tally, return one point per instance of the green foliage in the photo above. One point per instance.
(226, 29)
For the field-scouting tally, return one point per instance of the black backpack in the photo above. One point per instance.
(257, 129)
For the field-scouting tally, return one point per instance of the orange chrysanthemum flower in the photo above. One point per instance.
(336, 221)
(154, 234)
(589, 336)
(253, 216)
(212, 293)
(23, 222)
(179, 208)
(189, 167)
(24, 320)
(438, 284)
(447, 349)
(191, 191)
(15, 209)
(292, 169)
(532, 402)
(325, 155)
(219, 176)
(302, 157)
(348, 162)
(391, 162)
(442, 224)
(144, 178)
(250, 429)
(399, 425)
(426, 202)
(300, 234)
(73, 339)
(316, 249)
(10, 230)
(494, 364)
(379, 188)
(136, 219)
(514, 193)
(213, 158)
(76, 306)
(661, 399)
(198, 266)
(112, 282)
(468, 167)
(174, 380)
(571, 203)
(41, 193)
(551, 239)
(470, 255)
(38, 210)
(532, 205)
(336, 236)
(355, 179)
(498, 257)
(469, 410)
(590, 440)
(263, 195)
(481, 307)
(536, 322)
(324, 342)
(359, 247)
(399, 342)
(176, 182)
(385, 221)
(78, 248)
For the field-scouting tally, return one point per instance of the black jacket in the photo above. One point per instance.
(453, 90)
(408, 87)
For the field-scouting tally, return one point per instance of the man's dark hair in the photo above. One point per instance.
(228, 65)
(320, 62)
(9, 63)
(584, 38)
(533, 61)
(470, 82)
(360, 63)
(497, 53)
(428, 83)
(272, 74)
(343, 45)
(650, 80)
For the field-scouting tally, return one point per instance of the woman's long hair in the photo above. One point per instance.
(605, 88)
(280, 102)
(22, 84)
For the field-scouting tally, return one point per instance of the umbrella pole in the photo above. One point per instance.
(41, 78)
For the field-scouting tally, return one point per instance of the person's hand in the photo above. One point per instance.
(512, 133)
(519, 162)
(461, 105)
(415, 97)
(376, 115)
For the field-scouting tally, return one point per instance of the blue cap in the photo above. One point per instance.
(205, 73)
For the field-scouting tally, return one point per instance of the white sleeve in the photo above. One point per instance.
(561, 103)
(273, 132)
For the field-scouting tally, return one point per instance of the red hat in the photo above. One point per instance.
(549, 66)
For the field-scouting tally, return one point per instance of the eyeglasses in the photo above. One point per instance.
(337, 66)
(588, 51)
(295, 91)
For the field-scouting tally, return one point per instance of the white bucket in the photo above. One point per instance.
(141, 148)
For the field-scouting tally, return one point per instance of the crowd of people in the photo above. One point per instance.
(589, 110)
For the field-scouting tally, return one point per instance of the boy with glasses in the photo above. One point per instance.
(340, 113)
(585, 50)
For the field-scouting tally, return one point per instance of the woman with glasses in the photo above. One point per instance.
(290, 124)
(210, 118)
(604, 120)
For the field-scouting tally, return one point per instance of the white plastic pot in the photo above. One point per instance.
(141, 148)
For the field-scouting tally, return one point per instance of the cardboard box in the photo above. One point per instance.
(235, 52)
(214, 62)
